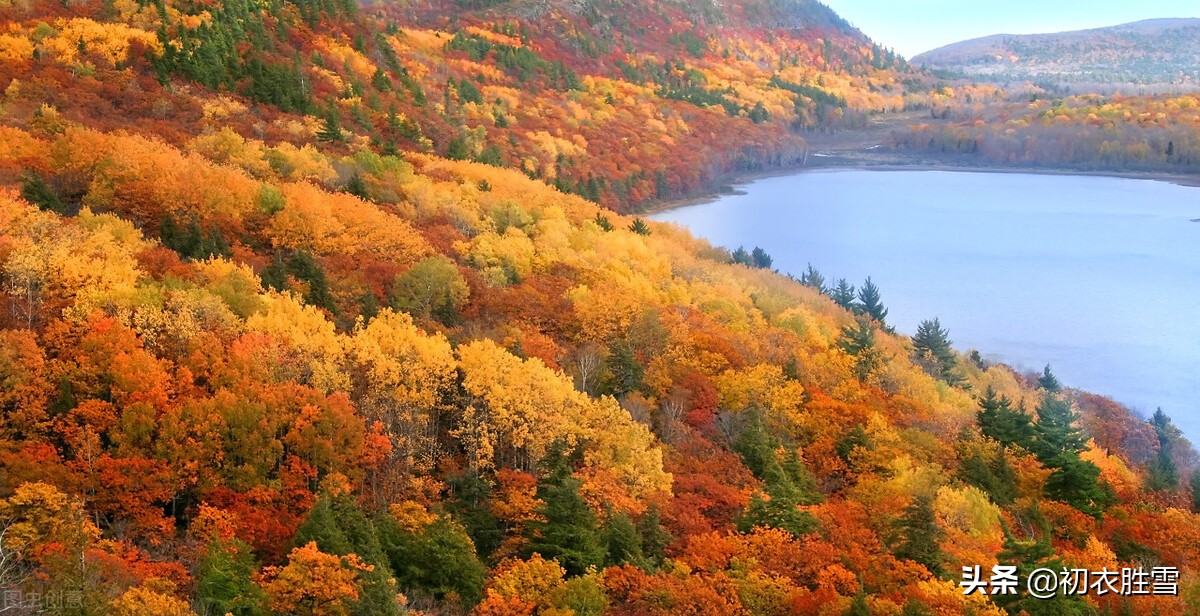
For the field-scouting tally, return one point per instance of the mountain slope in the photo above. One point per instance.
(1157, 51)
(296, 317)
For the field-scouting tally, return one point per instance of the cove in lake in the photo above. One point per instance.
(1096, 276)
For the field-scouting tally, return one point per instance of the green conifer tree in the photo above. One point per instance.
(225, 580)
(1048, 381)
(920, 535)
(567, 530)
(871, 305)
(932, 346)
(998, 420)
(843, 294)
(812, 278)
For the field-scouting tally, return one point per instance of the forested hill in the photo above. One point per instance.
(298, 316)
(620, 102)
(1156, 51)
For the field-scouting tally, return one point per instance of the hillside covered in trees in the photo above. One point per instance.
(319, 308)
(1150, 52)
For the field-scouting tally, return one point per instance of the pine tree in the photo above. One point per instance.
(457, 149)
(655, 538)
(998, 420)
(331, 128)
(921, 537)
(305, 268)
(1029, 556)
(870, 304)
(843, 294)
(1048, 381)
(995, 477)
(1163, 473)
(35, 190)
(339, 527)
(1055, 433)
(1057, 443)
(639, 227)
(858, 341)
(742, 257)
(812, 278)
(932, 345)
(567, 528)
(470, 496)
(625, 374)
(357, 187)
(622, 542)
(225, 580)
(760, 258)
(437, 560)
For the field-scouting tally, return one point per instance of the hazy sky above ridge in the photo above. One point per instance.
(913, 26)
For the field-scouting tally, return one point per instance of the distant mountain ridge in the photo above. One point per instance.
(1153, 51)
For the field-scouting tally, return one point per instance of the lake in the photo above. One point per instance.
(1096, 276)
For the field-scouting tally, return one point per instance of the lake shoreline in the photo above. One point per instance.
(839, 162)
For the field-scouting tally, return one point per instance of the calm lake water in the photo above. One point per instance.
(1096, 276)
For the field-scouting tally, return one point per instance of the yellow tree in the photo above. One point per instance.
(314, 583)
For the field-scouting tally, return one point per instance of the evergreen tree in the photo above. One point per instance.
(995, 477)
(1163, 473)
(470, 496)
(932, 345)
(1057, 443)
(858, 341)
(35, 190)
(639, 227)
(305, 268)
(843, 294)
(339, 527)
(457, 149)
(1077, 482)
(331, 128)
(742, 257)
(998, 420)
(622, 542)
(436, 560)
(357, 187)
(603, 222)
(655, 538)
(870, 304)
(920, 536)
(225, 580)
(812, 278)
(625, 374)
(567, 528)
(1055, 433)
(760, 258)
(788, 484)
(1029, 556)
(1048, 381)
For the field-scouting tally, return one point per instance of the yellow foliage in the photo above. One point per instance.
(38, 514)
(109, 41)
(521, 407)
(229, 148)
(154, 596)
(15, 48)
(533, 580)
(323, 583)
(306, 331)
(325, 223)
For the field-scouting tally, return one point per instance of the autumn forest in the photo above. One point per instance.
(326, 307)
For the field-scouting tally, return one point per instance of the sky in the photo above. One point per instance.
(913, 26)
